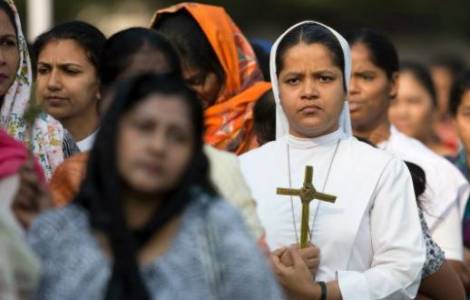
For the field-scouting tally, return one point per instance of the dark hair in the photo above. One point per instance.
(262, 56)
(187, 37)
(121, 47)
(264, 118)
(460, 86)
(423, 76)
(10, 13)
(381, 50)
(418, 176)
(449, 61)
(87, 36)
(101, 191)
(310, 34)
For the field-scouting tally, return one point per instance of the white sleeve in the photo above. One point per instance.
(231, 185)
(397, 242)
(447, 233)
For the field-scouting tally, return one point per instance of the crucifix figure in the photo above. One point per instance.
(307, 193)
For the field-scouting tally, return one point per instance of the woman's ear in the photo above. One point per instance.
(98, 94)
(394, 85)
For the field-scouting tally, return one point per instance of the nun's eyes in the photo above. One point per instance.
(367, 77)
(292, 81)
(325, 79)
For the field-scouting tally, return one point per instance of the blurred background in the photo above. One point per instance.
(419, 28)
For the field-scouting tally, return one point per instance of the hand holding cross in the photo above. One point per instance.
(307, 193)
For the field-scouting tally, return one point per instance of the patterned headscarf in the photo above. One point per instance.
(47, 133)
(229, 122)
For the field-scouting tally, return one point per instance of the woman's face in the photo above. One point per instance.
(205, 84)
(311, 90)
(442, 79)
(462, 120)
(370, 90)
(155, 142)
(412, 110)
(67, 81)
(9, 53)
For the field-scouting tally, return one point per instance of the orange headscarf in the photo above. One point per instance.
(229, 122)
(65, 183)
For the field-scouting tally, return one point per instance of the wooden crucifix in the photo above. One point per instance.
(307, 193)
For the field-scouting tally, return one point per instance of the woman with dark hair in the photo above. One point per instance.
(220, 65)
(147, 223)
(374, 81)
(134, 51)
(369, 234)
(445, 68)
(414, 109)
(50, 143)
(67, 62)
(127, 52)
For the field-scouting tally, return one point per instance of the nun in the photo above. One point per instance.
(369, 234)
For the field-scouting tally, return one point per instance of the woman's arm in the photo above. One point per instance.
(442, 285)
(396, 239)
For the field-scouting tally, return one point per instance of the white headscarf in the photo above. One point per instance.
(282, 126)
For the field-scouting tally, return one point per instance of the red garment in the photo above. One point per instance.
(13, 155)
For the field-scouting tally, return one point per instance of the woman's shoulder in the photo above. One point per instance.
(219, 215)
(435, 165)
(214, 208)
(263, 155)
(52, 227)
(363, 152)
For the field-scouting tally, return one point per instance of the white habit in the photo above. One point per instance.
(370, 240)
(446, 193)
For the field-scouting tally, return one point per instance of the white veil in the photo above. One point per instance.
(282, 126)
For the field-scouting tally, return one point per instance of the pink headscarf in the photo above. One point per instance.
(13, 155)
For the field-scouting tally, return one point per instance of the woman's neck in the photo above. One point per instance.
(312, 135)
(82, 127)
(431, 141)
(376, 134)
(139, 208)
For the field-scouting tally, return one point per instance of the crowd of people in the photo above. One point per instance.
(149, 164)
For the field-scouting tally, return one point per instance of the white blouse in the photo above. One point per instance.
(446, 192)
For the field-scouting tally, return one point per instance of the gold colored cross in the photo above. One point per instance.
(307, 193)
